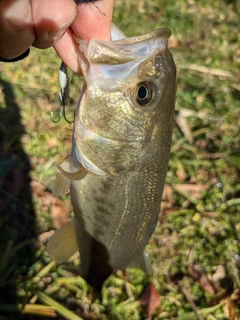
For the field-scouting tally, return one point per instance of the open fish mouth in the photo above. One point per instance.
(116, 120)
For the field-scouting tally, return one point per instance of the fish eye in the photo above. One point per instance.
(144, 93)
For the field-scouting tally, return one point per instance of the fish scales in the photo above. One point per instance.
(122, 221)
(121, 145)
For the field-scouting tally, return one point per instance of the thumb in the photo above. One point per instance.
(93, 20)
(51, 20)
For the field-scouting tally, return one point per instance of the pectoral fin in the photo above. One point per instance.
(62, 184)
(142, 261)
(76, 175)
(63, 244)
(65, 175)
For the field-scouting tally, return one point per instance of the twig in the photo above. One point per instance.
(191, 302)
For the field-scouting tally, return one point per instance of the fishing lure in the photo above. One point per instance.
(63, 81)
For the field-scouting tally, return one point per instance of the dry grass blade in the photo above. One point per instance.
(33, 309)
(45, 270)
(212, 71)
(191, 302)
(127, 305)
(67, 314)
(186, 195)
(203, 312)
(39, 310)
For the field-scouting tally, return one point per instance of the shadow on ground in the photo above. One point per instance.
(17, 216)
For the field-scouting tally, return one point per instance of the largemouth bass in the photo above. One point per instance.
(120, 151)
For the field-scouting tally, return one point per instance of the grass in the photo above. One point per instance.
(195, 249)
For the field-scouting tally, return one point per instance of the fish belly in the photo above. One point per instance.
(115, 217)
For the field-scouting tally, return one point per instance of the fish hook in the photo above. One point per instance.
(59, 116)
(63, 81)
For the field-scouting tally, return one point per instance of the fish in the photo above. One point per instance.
(120, 152)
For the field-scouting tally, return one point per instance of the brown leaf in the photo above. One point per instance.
(167, 193)
(181, 174)
(52, 142)
(194, 190)
(45, 236)
(56, 206)
(201, 278)
(150, 300)
(58, 213)
(236, 296)
(167, 199)
(219, 274)
(229, 310)
(173, 42)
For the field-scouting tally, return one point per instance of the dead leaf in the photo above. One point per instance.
(173, 42)
(219, 274)
(56, 206)
(59, 213)
(236, 296)
(201, 278)
(45, 236)
(52, 142)
(150, 300)
(229, 310)
(167, 200)
(181, 121)
(222, 282)
(191, 302)
(211, 214)
(181, 174)
(167, 193)
(195, 190)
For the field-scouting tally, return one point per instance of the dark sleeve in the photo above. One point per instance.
(84, 1)
(22, 56)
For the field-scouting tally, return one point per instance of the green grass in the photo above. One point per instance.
(198, 230)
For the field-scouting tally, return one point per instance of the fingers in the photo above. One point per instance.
(17, 32)
(43, 23)
(33, 22)
(51, 20)
(93, 20)
(67, 50)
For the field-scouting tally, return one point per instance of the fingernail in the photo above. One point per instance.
(57, 37)
(17, 13)
(56, 34)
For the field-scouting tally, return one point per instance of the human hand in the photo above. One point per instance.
(43, 23)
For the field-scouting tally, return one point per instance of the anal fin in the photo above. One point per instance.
(63, 244)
